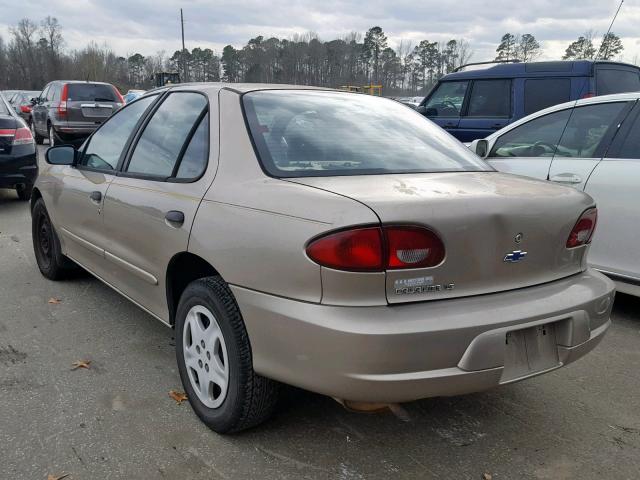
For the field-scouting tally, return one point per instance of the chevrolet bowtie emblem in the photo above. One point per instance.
(515, 256)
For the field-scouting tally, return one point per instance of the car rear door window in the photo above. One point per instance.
(540, 93)
(536, 138)
(630, 147)
(490, 98)
(611, 80)
(158, 149)
(91, 92)
(106, 144)
(586, 129)
(195, 157)
(447, 100)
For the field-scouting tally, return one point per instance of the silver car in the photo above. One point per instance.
(594, 146)
(337, 242)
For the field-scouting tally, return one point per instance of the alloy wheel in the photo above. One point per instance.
(205, 356)
(51, 137)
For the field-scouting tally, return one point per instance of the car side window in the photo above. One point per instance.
(105, 146)
(630, 147)
(490, 98)
(447, 100)
(540, 93)
(55, 97)
(45, 92)
(195, 158)
(586, 129)
(536, 138)
(158, 148)
(50, 92)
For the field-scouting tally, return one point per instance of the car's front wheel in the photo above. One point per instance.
(215, 362)
(46, 245)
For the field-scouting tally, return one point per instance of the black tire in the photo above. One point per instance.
(24, 192)
(36, 136)
(54, 139)
(250, 398)
(46, 245)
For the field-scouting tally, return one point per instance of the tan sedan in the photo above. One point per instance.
(333, 241)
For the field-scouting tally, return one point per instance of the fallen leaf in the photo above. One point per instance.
(54, 301)
(80, 364)
(487, 476)
(53, 477)
(178, 396)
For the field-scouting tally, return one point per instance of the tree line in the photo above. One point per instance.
(35, 54)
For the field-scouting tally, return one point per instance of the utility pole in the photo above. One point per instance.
(184, 58)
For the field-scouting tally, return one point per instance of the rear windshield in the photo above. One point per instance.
(3, 108)
(617, 81)
(90, 92)
(307, 133)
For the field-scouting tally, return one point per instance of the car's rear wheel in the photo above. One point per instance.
(36, 136)
(53, 138)
(215, 362)
(46, 245)
(24, 191)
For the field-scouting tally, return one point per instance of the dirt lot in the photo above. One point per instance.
(116, 419)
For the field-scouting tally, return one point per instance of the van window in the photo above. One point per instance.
(536, 138)
(490, 98)
(540, 93)
(616, 81)
(447, 100)
(586, 129)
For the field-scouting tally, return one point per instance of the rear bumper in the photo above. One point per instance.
(18, 170)
(406, 352)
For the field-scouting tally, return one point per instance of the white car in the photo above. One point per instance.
(593, 145)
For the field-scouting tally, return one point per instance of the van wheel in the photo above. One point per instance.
(215, 362)
(46, 245)
(36, 136)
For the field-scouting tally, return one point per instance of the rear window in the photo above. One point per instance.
(306, 133)
(616, 81)
(90, 92)
(541, 93)
(3, 108)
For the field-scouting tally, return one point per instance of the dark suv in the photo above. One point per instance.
(472, 104)
(69, 111)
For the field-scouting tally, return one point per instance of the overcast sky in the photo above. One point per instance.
(130, 26)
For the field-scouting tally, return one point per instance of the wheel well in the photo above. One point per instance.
(35, 195)
(183, 269)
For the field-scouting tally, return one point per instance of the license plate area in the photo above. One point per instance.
(529, 351)
(96, 111)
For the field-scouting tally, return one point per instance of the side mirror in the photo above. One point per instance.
(61, 155)
(431, 112)
(482, 148)
(421, 109)
(33, 101)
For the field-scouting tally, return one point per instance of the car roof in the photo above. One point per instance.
(616, 97)
(564, 68)
(236, 87)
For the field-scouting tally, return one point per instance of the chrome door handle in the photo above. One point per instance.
(570, 178)
(174, 218)
(96, 197)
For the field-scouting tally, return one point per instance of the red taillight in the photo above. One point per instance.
(588, 95)
(121, 101)
(62, 106)
(584, 228)
(25, 108)
(23, 136)
(20, 136)
(413, 247)
(359, 249)
(375, 249)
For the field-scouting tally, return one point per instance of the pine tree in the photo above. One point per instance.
(611, 46)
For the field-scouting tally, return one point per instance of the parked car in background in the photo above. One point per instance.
(594, 146)
(131, 95)
(472, 104)
(70, 111)
(18, 162)
(337, 242)
(412, 102)
(23, 101)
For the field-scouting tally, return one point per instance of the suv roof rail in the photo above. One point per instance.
(512, 60)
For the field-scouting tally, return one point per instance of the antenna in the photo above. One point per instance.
(608, 31)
